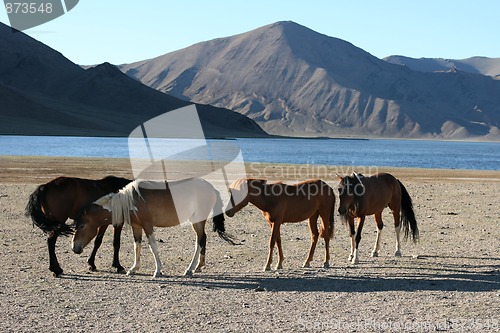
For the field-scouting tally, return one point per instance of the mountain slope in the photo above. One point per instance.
(476, 65)
(295, 81)
(43, 93)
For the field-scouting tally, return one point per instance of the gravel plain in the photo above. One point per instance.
(448, 281)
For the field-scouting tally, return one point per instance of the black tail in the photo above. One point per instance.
(34, 210)
(408, 215)
(218, 221)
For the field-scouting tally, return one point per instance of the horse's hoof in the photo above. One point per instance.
(326, 265)
(374, 254)
(279, 267)
(397, 254)
(267, 269)
(306, 265)
(92, 266)
(188, 273)
(197, 270)
(350, 257)
(130, 272)
(57, 272)
(355, 261)
(119, 269)
(157, 275)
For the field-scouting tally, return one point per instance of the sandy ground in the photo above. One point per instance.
(449, 281)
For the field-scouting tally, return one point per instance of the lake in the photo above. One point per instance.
(396, 153)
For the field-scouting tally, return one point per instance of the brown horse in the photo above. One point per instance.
(361, 196)
(51, 204)
(281, 203)
(145, 205)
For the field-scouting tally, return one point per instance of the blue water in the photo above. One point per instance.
(397, 153)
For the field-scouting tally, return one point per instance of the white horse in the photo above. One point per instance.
(146, 204)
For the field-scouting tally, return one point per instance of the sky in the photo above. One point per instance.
(124, 31)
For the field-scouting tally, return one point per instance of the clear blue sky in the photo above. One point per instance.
(121, 31)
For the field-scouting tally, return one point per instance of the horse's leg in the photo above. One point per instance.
(54, 266)
(116, 249)
(352, 233)
(326, 263)
(203, 244)
(199, 228)
(275, 231)
(137, 232)
(325, 219)
(281, 258)
(380, 225)
(154, 249)
(361, 221)
(97, 245)
(397, 226)
(313, 228)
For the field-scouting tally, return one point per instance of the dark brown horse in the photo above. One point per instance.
(281, 203)
(361, 196)
(51, 204)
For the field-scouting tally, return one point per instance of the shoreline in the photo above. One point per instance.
(277, 136)
(40, 169)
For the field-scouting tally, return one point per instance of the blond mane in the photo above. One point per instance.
(123, 203)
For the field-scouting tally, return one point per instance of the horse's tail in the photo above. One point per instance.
(218, 219)
(407, 214)
(34, 210)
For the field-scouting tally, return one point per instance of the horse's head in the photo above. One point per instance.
(239, 196)
(87, 221)
(350, 187)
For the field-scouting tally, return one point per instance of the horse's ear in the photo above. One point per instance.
(359, 181)
(357, 177)
(338, 176)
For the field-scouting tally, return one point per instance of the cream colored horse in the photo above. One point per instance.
(145, 205)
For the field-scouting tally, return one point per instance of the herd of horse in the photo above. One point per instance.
(94, 205)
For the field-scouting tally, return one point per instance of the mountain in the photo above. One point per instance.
(294, 81)
(43, 93)
(476, 65)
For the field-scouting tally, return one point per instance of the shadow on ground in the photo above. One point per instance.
(438, 277)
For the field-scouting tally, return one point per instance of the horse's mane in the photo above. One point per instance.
(237, 184)
(123, 203)
(105, 201)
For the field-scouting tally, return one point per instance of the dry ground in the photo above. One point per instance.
(449, 281)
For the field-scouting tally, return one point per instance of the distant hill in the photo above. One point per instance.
(294, 81)
(43, 93)
(476, 65)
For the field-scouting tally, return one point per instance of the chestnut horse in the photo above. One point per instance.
(51, 204)
(361, 196)
(281, 203)
(147, 204)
